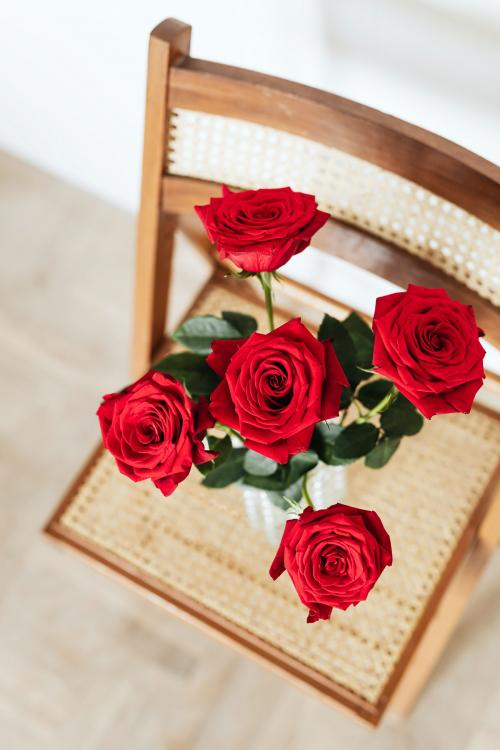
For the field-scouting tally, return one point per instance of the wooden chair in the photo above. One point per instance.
(408, 206)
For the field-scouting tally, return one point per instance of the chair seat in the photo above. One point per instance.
(197, 550)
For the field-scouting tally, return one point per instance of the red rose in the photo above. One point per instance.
(275, 387)
(428, 345)
(333, 556)
(260, 230)
(154, 430)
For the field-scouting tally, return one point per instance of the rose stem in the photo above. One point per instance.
(382, 405)
(305, 492)
(228, 430)
(265, 281)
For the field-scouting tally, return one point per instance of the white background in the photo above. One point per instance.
(73, 73)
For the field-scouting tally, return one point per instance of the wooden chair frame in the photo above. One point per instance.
(177, 80)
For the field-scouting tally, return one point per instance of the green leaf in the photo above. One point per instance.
(345, 398)
(373, 392)
(192, 370)
(294, 492)
(401, 418)
(231, 470)
(245, 324)
(198, 333)
(286, 474)
(352, 340)
(324, 437)
(382, 452)
(223, 446)
(278, 500)
(323, 443)
(362, 338)
(301, 464)
(355, 441)
(333, 330)
(258, 465)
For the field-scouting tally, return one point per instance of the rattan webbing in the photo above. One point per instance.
(199, 542)
(248, 155)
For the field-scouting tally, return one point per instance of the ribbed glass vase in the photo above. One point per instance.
(268, 512)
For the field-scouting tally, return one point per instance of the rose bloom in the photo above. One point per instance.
(154, 430)
(334, 557)
(275, 387)
(260, 230)
(428, 345)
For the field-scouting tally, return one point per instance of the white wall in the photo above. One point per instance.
(73, 73)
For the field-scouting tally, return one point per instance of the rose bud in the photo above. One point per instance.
(334, 557)
(260, 230)
(428, 345)
(154, 430)
(275, 387)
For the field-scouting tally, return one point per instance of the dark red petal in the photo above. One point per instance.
(319, 612)
(222, 407)
(386, 303)
(222, 352)
(281, 450)
(278, 564)
(415, 290)
(461, 398)
(167, 485)
(203, 419)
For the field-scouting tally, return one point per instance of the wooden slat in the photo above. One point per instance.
(439, 165)
(180, 194)
(352, 244)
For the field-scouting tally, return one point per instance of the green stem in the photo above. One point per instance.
(228, 430)
(265, 279)
(382, 405)
(356, 404)
(305, 492)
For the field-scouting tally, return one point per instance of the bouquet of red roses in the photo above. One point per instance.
(263, 408)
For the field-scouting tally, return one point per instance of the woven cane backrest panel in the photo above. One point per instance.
(200, 543)
(248, 155)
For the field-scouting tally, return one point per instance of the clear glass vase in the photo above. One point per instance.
(268, 512)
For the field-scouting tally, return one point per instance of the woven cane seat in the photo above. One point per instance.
(198, 545)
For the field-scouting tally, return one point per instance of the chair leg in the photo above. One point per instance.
(448, 613)
(152, 283)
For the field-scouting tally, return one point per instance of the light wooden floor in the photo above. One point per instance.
(85, 664)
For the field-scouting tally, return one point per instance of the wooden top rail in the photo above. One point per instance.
(443, 167)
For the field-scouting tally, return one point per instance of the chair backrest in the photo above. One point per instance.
(413, 207)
